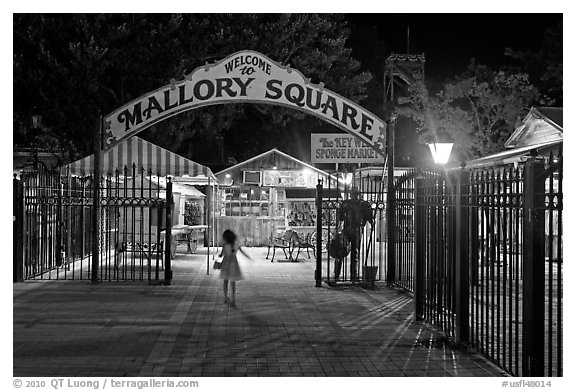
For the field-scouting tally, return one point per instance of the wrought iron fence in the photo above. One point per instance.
(132, 225)
(405, 230)
(435, 258)
(496, 198)
(54, 215)
(553, 206)
(488, 261)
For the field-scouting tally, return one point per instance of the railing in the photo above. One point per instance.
(488, 261)
(495, 208)
(54, 231)
(435, 249)
(405, 230)
(133, 216)
(553, 206)
(53, 214)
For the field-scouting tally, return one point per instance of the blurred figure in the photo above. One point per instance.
(230, 270)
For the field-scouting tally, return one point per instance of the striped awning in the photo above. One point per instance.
(142, 154)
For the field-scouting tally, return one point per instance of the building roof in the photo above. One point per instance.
(540, 133)
(181, 188)
(514, 155)
(541, 125)
(281, 155)
(145, 155)
(380, 171)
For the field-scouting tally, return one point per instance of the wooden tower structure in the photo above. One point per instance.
(400, 72)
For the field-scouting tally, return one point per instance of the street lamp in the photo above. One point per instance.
(36, 128)
(441, 151)
(36, 121)
(346, 178)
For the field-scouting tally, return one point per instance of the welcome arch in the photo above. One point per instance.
(244, 77)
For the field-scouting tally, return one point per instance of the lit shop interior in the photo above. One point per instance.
(266, 195)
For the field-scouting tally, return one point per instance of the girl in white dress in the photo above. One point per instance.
(230, 270)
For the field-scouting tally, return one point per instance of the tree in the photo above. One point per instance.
(71, 67)
(478, 111)
(544, 65)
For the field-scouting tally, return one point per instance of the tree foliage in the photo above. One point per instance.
(73, 67)
(478, 111)
(544, 65)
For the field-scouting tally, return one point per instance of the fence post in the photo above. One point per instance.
(473, 230)
(18, 230)
(462, 262)
(318, 273)
(59, 221)
(168, 239)
(419, 247)
(438, 258)
(208, 213)
(96, 203)
(533, 313)
(391, 209)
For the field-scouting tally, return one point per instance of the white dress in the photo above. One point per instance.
(230, 269)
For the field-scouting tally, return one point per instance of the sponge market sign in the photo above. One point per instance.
(244, 77)
(341, 148)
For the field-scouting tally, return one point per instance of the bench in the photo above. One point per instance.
(284, 242)
(305, 241)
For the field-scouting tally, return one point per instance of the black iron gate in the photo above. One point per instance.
(552, 206)
(353, 217)
(488, 264)
(53, 219)
(404, 254)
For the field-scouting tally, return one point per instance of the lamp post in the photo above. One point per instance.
(441, 151)
(36, 127)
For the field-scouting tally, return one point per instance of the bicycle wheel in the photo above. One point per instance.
(325, 236)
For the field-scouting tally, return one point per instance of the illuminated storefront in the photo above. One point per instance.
(267, 194)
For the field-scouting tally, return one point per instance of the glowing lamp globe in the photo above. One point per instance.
(441, 151)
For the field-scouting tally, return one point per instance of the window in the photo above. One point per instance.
(240, 202)
(252, 177)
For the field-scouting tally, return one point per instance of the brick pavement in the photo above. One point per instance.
(282, 326)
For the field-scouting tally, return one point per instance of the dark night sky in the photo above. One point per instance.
(449, 41)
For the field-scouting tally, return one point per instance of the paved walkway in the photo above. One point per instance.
(282, 326)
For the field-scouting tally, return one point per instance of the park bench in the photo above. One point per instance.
(284, 242)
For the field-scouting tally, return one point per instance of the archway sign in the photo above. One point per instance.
(244, 77)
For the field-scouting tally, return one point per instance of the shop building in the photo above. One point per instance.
(266, 195)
